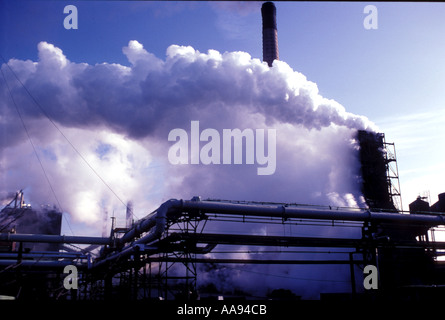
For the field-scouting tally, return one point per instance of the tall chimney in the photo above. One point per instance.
(270, 37)
(129, 215)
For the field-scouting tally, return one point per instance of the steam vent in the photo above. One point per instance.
(270, 37)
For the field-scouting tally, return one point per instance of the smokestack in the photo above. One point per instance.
(104, 224)
(129, 214)
(270, 37)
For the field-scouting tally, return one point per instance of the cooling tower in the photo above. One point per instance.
(270, 37)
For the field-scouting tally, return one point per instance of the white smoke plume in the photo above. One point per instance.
(118, 118)
(139, 104)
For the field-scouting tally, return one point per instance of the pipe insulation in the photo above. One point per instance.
(285, 212)
(158, 220)
(41, 264)
(46, 238)
(155, 224)
(39, 256)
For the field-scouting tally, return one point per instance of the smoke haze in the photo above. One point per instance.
(118, 117)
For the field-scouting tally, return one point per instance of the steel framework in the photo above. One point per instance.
(157, 256)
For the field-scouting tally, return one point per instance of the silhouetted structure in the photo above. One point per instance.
(270, 35)
(376, 184)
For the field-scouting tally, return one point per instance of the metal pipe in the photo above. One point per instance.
(252, 261)
(42, 264)
(42, 255)
(127, 251)
(161, 220)
(155, 225)
(46, 238)
(158, 220)
(291, 241)
(283, 211)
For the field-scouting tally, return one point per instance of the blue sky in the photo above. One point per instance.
(325, 41)
(393, 75)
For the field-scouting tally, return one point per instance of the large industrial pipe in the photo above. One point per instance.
(42, 264)
(46, 238)
(155, 226)
(156, 223)
(157, 220)
(40, 256)
(284, 211)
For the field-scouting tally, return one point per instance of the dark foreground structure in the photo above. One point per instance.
(270, 34)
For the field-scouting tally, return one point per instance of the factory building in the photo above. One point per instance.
(19, 218)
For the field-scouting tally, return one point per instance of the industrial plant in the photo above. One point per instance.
(178, 251)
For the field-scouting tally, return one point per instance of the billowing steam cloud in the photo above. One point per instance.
(119, 117)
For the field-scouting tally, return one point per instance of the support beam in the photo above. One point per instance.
(252, 261)
(285, 241)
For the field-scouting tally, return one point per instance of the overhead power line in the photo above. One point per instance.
(59, 130)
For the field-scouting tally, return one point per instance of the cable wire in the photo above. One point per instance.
(33, 146)
(60, 131)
